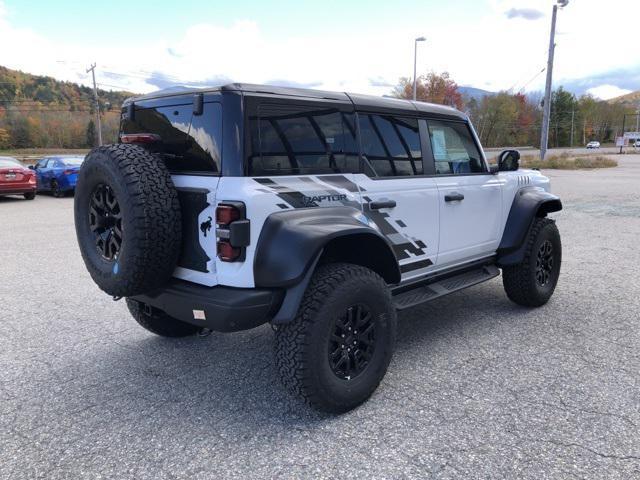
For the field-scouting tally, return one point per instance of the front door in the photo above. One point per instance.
(469, 197)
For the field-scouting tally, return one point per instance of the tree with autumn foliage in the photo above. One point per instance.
(433, 88)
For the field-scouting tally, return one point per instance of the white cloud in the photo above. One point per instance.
(489, 51)
(605, 92)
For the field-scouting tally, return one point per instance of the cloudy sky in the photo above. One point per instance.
(358, 46)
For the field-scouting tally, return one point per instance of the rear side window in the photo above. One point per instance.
(454, 151)
(391, 144)
(298, 139)
(190, 143)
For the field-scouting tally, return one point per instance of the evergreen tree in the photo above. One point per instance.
(91, 134)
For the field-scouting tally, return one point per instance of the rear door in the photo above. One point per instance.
(469, 197)
(396, 194)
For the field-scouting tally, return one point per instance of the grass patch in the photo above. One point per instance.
(565, 161)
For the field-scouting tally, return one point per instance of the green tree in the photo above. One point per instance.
(91, 134)
(563, 108)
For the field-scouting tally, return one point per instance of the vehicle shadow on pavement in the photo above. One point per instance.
(207, 383)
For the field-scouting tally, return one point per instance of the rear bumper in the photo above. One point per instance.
(68, 182)
(17, 189)
(223, 309)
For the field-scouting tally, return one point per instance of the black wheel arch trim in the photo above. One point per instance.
(529, 203)
(292, 241)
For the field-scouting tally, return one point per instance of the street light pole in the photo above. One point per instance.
(415, 63)
(546, 112)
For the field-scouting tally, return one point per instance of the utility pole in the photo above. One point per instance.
(415, 63)
(624, 120)
(92, 69)
(544, 136)
(572, 115)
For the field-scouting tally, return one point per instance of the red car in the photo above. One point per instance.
(16, 179)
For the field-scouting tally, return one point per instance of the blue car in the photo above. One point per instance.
(58, 174)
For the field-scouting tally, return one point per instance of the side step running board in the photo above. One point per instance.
(440, 288)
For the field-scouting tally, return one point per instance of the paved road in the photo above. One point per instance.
(478, 388)
(493, 153)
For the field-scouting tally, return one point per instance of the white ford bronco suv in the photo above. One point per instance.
(320, 213)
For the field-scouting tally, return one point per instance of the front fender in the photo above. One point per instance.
(291, 241)
(528, 203)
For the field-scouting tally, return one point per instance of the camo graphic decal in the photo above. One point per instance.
(403, 247)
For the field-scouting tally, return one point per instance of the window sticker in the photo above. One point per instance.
(439, 145)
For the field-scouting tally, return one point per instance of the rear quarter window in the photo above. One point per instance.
(189, 143)
(305, 140)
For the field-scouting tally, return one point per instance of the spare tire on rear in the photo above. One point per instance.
(128, 220)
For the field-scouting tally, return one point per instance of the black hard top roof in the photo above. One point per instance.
(367, 102)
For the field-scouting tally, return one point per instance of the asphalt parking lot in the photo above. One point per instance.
(478, 387)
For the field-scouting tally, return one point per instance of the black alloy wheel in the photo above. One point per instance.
(544, 263)
(105, 221)
(352, 342)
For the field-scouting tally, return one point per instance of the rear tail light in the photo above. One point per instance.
(227, 214)
(70, 172)
(32, 177)
(232, 231)
(227, 253)
(140, 138)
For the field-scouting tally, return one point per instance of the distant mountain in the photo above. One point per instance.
(632, 99)
(25, 91)
(473, 92)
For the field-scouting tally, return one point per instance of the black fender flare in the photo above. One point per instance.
(291, 240)
(528, 203)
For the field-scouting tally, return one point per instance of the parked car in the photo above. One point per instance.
(16, 179)
(593, 144)
(58, 174)
(636, 144)
(321, 213)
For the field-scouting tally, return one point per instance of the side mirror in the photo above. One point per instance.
(509, 161)
(31, 167)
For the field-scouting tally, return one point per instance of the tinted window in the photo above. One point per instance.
(454, 150)
(391, 144)
(294, 139)
(189, 142)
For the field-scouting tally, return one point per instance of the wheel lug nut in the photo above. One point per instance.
(355, 342)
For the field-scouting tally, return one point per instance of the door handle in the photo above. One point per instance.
(377, 205)
(453, 197)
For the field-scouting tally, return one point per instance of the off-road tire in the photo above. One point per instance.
(520, 280)
(301, 347)
(150, 234)
(29, 195)
(159, 322)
